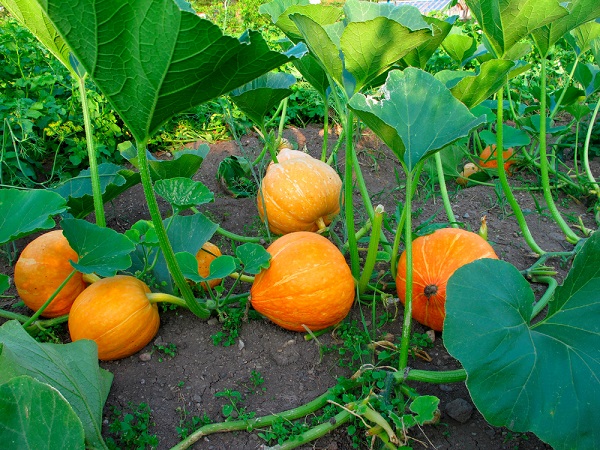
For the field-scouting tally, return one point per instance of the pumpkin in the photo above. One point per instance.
(487, 158)
(287, 153)
(206, 255)
(435, 258)
(116, 314)
(308, 282)
(41, 268)
(299, 194)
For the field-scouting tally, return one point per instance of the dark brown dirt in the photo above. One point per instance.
(184, 385)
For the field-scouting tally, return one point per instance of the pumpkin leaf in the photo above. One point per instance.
(580, 12)
(512, 137)
(419, 56)
(183, 193)
(505, 23)
(425, 408)
(253, 257)
(258, 98)
(36, 415)
(142, 232)
(220, 267)
(101, 250)
(491, 77)
(280, 10)
(459, 47)
(114, 180)
(33, 17)
(351, 51)
(71, 368)
(175, 60)
(540, 377)
(416, 117)
(185, 163)
(24, 212)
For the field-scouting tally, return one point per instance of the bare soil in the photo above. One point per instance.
(181, 386)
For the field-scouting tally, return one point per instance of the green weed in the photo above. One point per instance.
(131, 429)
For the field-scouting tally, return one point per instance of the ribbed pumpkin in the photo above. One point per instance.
(300, 194)
(435, 258)
(206, 255)
(307, 283)
(41, 268)
(116, 314)
(487, 158)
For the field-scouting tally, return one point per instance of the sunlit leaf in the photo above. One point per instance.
(153, 60)
(506, 22)
(580, 12)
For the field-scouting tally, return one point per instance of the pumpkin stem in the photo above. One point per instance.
(430, 290)
(321, 225)
(90, 278)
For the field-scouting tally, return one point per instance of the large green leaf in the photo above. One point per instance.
(36, 415)
(367, 44)
(185, 163)
(417, 116)
(23, 212)
(492, 75)
(152, 60)
(258, 98)
(580, 12)
(114, 180)
(101, 250)
(419, 56)
(280, 10)
(540, 377)
(32, 16)
(70, 368)
(506, 22)
(183, 193)
(459, 47)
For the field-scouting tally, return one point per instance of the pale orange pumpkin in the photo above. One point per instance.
(308, 282)
(436, 257)
(116, 314)
(487, 158)
(206, 255)
(41, 268)
(299, 194)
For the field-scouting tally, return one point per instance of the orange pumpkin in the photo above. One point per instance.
(468, 170)
(435, 258)
(487, 158)
(299, 194)
(206, 255)
(41, 268)
(116, 314)
(307, 283)
(287, 153)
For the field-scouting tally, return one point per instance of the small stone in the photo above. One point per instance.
(241, 344)
(142, 381)
(158, 341)
(213, 321)
(146, 356)
(460, 410)
(446, 388)
(466, 215)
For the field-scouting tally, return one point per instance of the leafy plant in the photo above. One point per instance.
(131, 428)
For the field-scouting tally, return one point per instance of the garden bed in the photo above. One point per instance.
(189, 372)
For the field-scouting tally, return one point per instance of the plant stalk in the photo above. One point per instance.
(92, 157)
(348, 199)
(504, 179)
(569, 234)
(163, 240)
(372, 252)
(543, 301)
(407, 322)
(444, 191)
